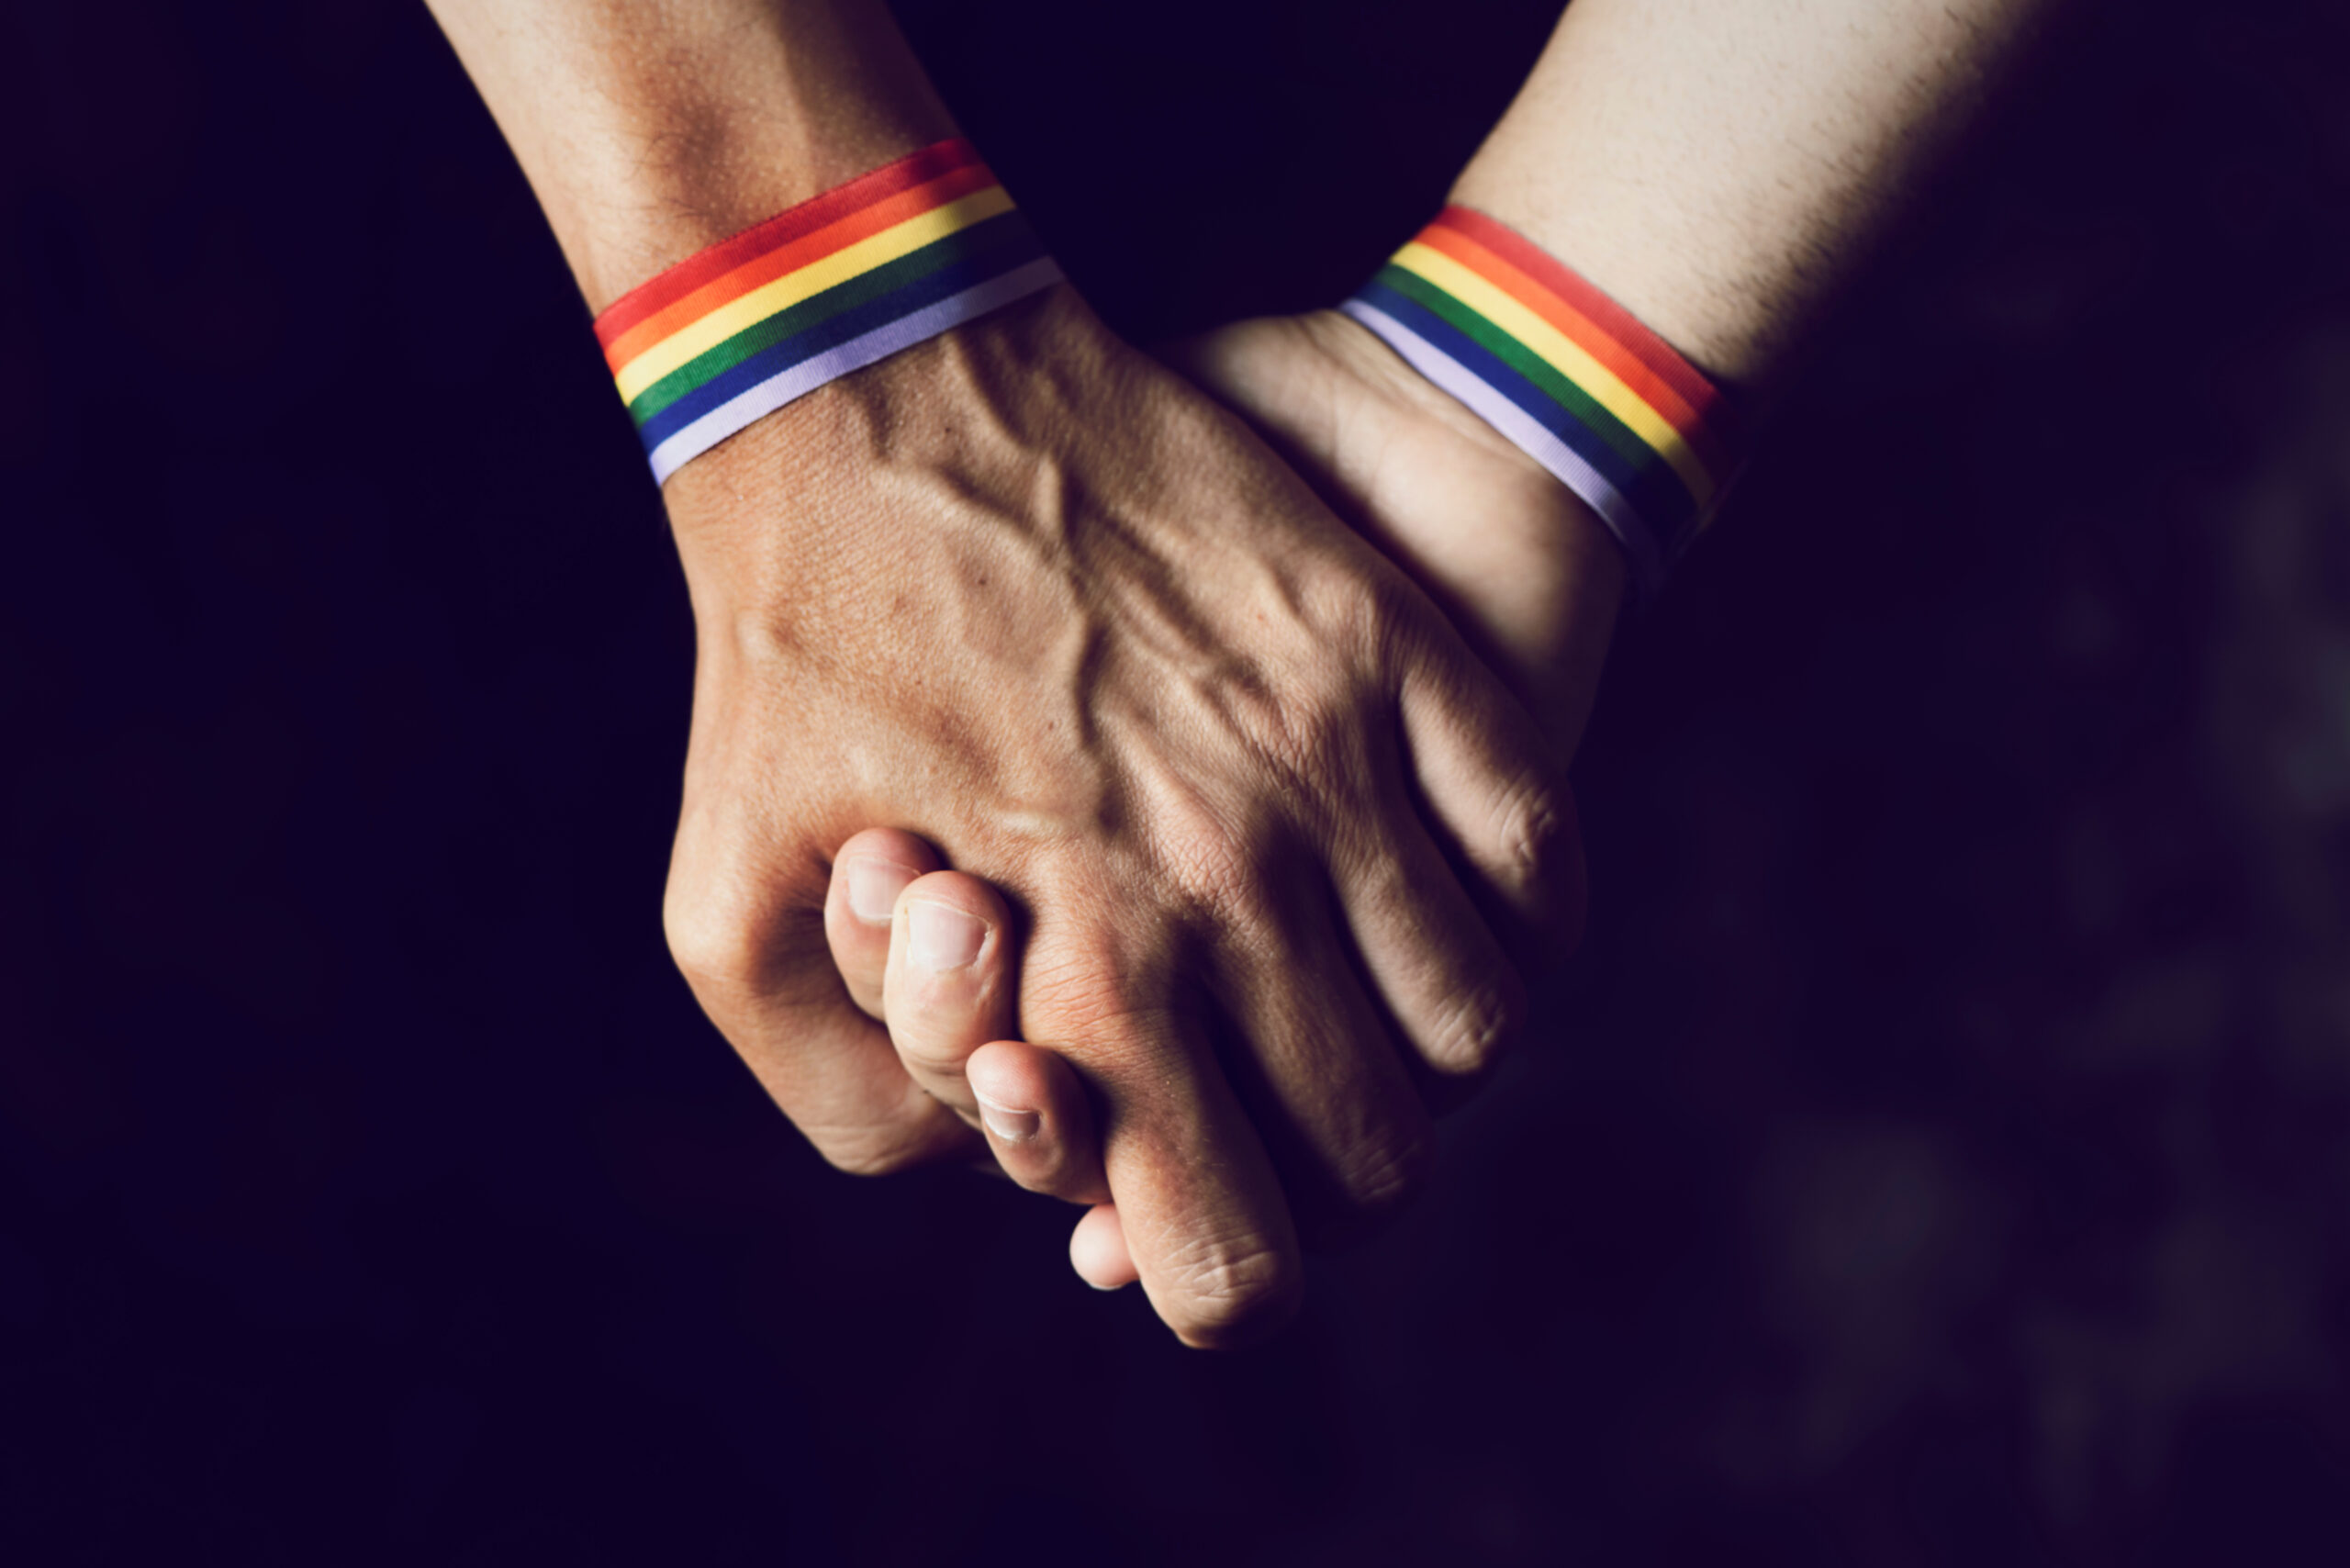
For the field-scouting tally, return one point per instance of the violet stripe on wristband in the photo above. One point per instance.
(835, 283)
(1565, 374)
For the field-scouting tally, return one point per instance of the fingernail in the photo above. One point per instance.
(944, 938)
(873, 889)
(1010, 1125)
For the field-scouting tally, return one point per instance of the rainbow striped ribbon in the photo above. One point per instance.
(849, 277)
(1566, 374)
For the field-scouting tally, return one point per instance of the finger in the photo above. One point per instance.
(1430, 956)
(943, 1015)
(1323, 1075)
(1037, 1120)
(752, 950)
(1206, 1227)
(1097, 1250)
(1496, 799)
(948, 986)
(868, 873)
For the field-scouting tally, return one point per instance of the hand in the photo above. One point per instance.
(1024, 592)
(887, 902)
(1527, 572)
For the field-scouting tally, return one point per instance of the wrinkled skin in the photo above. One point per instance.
(1263, 819)
(1524, 570)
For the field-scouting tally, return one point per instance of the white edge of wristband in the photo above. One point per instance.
(690, 441)
(1527, 435)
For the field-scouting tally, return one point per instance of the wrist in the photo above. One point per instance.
(1572, 534)
(1551, 610)
(651, 132)
(1566, 374)
(791, 487)
(916, 247)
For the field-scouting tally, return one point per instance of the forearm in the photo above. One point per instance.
(652, 128)
(1719, 169)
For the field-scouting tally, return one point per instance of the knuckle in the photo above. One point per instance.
(1318, 736)
(1212, 864)
(1371, 615)
(1205, 855)
(1390, 1175)
(714, 941)
(1478, 1023)
(1319, 739)
(865, 1151)
(1229, 1297)
(1533, 835)
(743, 903)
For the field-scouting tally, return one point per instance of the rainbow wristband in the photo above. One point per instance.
(849, 277)
(1566, 374)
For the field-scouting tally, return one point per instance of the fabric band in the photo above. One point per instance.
(1565, 374)
(849, 277)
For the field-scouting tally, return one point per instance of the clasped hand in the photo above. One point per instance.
(1228, 723)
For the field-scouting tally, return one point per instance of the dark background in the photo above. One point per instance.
(1943, 1153)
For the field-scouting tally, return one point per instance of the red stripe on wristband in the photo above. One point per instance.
(705, 267)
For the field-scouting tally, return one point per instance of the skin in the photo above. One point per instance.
(1262, 823)
(1723, 171)
(1419, 473)
(1720, 171)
